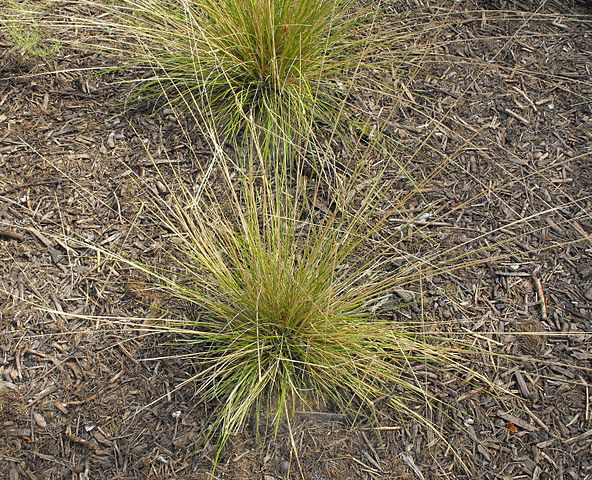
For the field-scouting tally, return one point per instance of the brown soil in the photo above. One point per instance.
(511, 118)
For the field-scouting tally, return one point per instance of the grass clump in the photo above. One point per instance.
(278, 69)
(283, 304)
(25, 31)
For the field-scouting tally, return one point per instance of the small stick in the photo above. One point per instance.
(27, 185)
(508, 417)
(374, 461)
(512, 274)
(81, 441)
(522, 385)
(44, 393)
(521, 92)
(8, 235)
(516, 116)
(542, 299)
(577, 438)
(536, 419)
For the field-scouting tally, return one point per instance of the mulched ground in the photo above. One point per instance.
(508, 121)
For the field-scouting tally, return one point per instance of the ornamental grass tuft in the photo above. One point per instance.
(271, 64)
(283, 71)
(279, 303)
